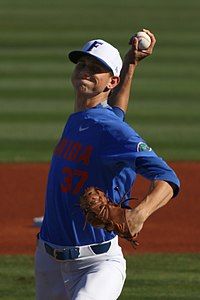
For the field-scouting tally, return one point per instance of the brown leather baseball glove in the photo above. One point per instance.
(102, 213)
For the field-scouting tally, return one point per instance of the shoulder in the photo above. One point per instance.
(107, 116)
(119, 112)
(110, 124)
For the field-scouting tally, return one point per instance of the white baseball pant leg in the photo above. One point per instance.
(90, 277)
(48, 277)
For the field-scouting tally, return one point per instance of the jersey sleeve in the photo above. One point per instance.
(119, 112)
(127, 147)
(155, 168)
(121, 143)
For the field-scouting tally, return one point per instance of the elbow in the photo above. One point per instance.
(175, 187)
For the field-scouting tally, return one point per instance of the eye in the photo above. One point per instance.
(81, 64)
(96, 69)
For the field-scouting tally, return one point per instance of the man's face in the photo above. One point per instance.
(90, 76)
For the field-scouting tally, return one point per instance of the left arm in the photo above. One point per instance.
(159, 196)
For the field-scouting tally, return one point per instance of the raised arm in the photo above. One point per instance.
(121, 94)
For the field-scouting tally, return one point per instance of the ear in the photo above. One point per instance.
(114, 81)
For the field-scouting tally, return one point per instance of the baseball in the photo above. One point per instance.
(144, 40)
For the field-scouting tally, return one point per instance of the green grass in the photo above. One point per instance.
(36, 95)
(149, 276)
(162, 276)
(17, 277)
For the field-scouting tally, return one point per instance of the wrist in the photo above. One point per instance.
(128, 70)
(130, 59)
(130, 63)
(137, 215)
(141, 213)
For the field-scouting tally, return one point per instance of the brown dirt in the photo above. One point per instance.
(174, 228)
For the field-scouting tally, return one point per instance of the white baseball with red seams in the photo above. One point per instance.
(144, 40)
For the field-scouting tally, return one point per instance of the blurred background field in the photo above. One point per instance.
(36, 96)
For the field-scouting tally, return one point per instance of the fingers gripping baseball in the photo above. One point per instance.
(149, 50)
(102, 213)
(136, 54)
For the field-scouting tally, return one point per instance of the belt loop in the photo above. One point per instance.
(55, 253)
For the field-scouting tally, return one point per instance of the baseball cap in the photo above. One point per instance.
(103, 52)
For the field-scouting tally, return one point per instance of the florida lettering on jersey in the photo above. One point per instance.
(73, 151)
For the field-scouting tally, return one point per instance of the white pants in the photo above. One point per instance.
(90, 277)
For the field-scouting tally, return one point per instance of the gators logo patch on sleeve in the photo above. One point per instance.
(141, 146)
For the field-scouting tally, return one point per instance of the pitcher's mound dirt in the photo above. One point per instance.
(173, 228)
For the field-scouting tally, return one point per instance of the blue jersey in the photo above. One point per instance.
(96, 149)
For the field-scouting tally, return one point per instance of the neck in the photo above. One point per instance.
(82, 103)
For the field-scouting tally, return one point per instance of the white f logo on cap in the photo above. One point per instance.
(94, 45)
